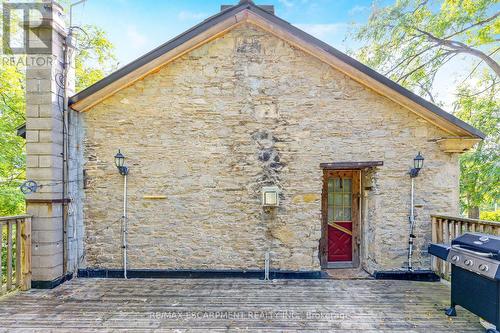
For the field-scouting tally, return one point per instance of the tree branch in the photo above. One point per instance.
(479, 92)
(428, 92)
(408, 60)
(479, 63)
(460, 47)
(404, 77)
(6, 103)
(489, 19)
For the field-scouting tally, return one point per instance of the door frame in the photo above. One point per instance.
(356, 205)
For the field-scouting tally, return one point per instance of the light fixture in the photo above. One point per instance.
(270, 196)
(120, 163)
(418, 163)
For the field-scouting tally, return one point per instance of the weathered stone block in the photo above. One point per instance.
(45, 210)
(32, 110)
(32, 136)
(46, 273)
(45, 236)
(40, 123)
(43, 148)
(31, 161)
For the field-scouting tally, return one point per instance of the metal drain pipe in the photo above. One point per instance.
(412, 224)
(266, 267)
(125, 226)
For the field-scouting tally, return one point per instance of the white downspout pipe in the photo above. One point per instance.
(412, 224)
(125, 226)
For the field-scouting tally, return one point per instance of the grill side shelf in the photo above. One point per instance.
(439, 250)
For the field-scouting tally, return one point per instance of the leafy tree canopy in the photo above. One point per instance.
(412, 40)
(12, 157)
(480, 168)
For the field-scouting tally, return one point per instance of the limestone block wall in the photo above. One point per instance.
(246, 110)
(57, 246)
(44, 148)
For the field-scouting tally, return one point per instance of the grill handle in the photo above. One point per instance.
(458, 247)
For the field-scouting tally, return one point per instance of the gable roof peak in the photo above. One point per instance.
(248, 4)
(263, 16)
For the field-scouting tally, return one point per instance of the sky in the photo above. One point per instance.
(138, 26)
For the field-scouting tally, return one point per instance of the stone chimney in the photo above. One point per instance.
(44, 148)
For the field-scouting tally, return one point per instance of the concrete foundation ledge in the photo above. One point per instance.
(197, 274)
(51, 284)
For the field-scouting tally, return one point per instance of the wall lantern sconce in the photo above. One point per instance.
(418, 163)
(120, 163)
(270, 196)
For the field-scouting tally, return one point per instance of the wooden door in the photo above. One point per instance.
(340, 217)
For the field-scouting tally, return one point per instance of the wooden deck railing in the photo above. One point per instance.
(446, 228)
(15, 253)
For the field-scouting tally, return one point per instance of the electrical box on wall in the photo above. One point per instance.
(270, 196)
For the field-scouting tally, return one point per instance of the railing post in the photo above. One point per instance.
(9, 255)
(439, 239)
(453, 229)
(434, 261)
(18, 252)
(26, 254)
(446, 234)
(446, 225)
(434, 229)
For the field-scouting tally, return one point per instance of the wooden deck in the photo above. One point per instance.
(234, 305)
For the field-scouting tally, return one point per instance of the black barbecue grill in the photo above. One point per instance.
(475, 274)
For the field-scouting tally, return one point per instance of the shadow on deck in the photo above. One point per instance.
(235, 305)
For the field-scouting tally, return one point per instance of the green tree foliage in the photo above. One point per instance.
(94, 59)
(490, 216)
(480, 168)
(12, 156)
(412, 40)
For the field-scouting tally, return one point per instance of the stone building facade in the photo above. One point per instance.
(251, 106)
(241, 112)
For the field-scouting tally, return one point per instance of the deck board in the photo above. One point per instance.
(226, 305)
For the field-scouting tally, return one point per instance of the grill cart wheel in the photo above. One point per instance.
(451, 311)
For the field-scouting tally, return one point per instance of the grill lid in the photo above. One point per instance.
(479, 243)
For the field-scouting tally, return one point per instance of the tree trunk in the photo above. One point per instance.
(473, 212)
